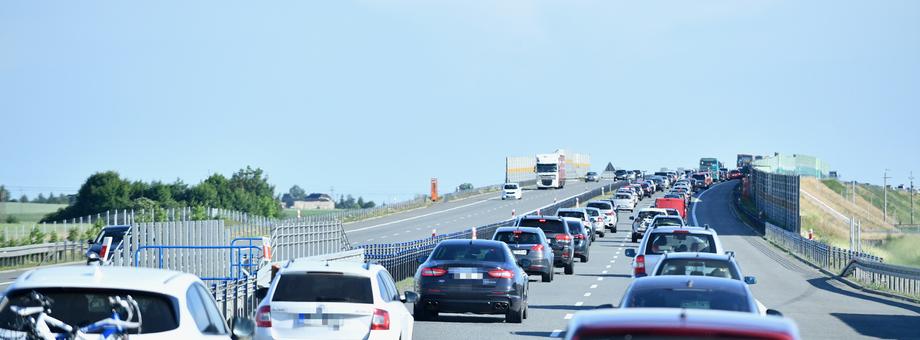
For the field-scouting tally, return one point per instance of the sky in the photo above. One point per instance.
(374, 98)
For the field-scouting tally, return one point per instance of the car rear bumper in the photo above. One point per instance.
(480, 305)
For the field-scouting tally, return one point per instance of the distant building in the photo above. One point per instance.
(314, 201)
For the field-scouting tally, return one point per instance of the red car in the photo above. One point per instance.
(735, 174)
(677, 323)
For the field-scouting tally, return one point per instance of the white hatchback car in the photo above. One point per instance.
(512, 190)
(334, 300)
(659, 240)
(173, 305)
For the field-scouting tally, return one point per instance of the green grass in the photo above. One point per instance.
(836, 186)
(291, 213)
(406, 284)
(27, 212)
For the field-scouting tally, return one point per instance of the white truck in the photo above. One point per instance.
(550, 171)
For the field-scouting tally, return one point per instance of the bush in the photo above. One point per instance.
(73, 235)
(11, 219)
(36, 236)
(91, 233)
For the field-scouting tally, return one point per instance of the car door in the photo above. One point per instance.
(398, 311)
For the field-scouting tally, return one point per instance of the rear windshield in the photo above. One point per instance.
(694, 298)
(673, 213)
(116, 234)
(511, 186)
(660, 243)
(467, 252)
(667, 222)
(548, 226)
(575, 227)
(519, 238)
(592, 173)
(600, 205)
(576, 214)
(698, 267)
(323, 287)
(592, 212)
(648, 214)
(80, 307)
(699, 177)
(623, 196)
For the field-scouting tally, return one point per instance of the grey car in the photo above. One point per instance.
(592, 176)
(561, 240)
(531, 244)
(580, 235)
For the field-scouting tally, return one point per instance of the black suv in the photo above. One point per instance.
(560, 239)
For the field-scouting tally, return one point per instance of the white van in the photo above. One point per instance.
(512, 190)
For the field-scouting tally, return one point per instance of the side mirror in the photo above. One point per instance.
(90, 242)
(422, 259)
(774, 312)
(630, 252)
(750, 280)
(409, 297)
(730, 252)
(243, 328)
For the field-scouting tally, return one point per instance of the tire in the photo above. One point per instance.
(634, 238)
(602, 234)
(570, 268)
(420, 314)
(515, 316)
(614, 229)
(584, 259)
(547, 277)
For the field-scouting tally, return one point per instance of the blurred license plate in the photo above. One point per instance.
(468, 276)
(519, 252)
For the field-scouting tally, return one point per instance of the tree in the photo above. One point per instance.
(40, 198)
(4, 194)
(466, 186)
(369, 204)
(24, 198)
(101, 192)
(297, 193)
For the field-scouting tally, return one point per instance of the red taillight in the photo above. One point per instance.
(681, 231)
(501, 273)
(381, 320)
(580, 236)
(433, 271)
(264, 316)
(563, 237)
(542, 220)
(538, 247)
(640, 265)
(517, 232)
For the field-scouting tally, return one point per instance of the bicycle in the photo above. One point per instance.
(38, 322)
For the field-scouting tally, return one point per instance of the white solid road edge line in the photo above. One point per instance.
(414, 217)
(697, 201)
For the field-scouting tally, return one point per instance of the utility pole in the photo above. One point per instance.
(911, 197)
(885, 190)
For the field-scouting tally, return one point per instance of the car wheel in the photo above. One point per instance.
(570, 268)
(602, 234)
(584, 259)
(547, 277)
(515, 316)
(419, 313)
(634, 238)
(614, 230)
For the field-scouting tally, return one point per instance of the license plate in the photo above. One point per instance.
(468, 276)
(519, 252)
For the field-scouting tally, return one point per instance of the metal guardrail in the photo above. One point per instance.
(862, 267)
(401, 259)
(41, 254)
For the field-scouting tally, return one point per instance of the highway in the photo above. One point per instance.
(822, 307)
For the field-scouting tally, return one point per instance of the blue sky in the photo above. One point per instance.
(376, 97)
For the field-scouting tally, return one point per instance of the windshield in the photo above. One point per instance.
(546, 167)
(693, 298)
(323, 287)
(667, 222)
(575, 214)
(593, 212)
(699, 177)
(517, 238)
(660, 243)
(592, 173)
(698, 267)
(468, 252)
(511, 186)
(548, 226)
(600, 205)
(82, 306)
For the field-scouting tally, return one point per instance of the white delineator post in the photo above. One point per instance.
(474, 233)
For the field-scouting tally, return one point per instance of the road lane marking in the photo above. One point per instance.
(415, 217)
(579, 303)
(568, 316)
(612, 261)
(587, 294)
(600, 279)
(555, 333)
(608, 266)
(604, 272)
(593, 286)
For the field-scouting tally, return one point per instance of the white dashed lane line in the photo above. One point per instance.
(593, 286)
(587, 294)
(604, 272)
(600, 279)
(579, 304)
(568, 316)
(555, 333)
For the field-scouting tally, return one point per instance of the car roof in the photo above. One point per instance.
(476, 242)
(686, 281)
(653, 209)
(581, 210)
(599, 201)
(679, 318)
(106, 277)
(571, 219)
(703, 256)
(531, 230)
(690, 229)
(541, 217)
(345, 267)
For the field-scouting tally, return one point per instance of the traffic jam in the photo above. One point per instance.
(684, 284)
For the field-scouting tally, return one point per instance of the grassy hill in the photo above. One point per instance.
(880, 238)
(27, 212)
(898, 201)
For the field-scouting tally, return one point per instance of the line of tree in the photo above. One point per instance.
(247, 191)
(5, 196)
(349, 202)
